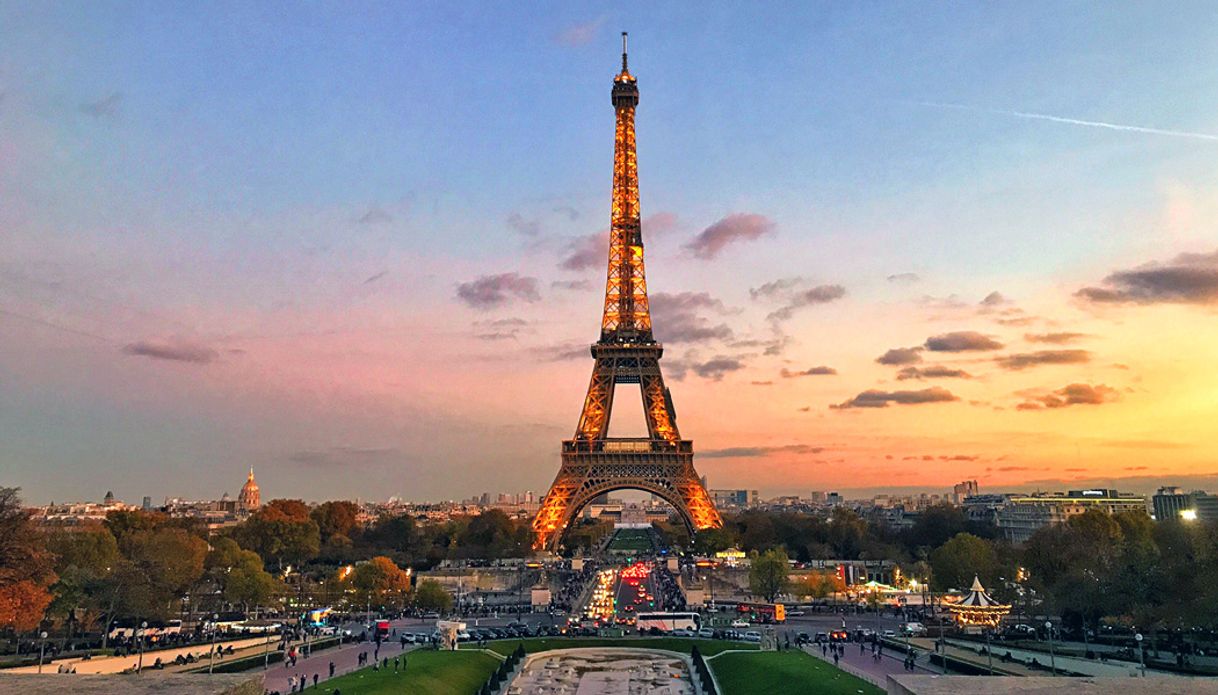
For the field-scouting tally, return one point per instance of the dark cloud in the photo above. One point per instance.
(759, 451)
(563, 352)
(935, 371)
(1189, 278)
(375, 215)
(512, 322)
(821, 294)
(103, 108)
(376, 276)
(716, 367)
(904, 278)
(898, 356)
(962, 341)
(881, 399)
(994, 299)
(570, 212)
(1061, 338)
(345, 457)
(586, 252)
(780, 288)
(573, 285)
(174, 350)
(579, 34)
(677, 317)
(811, 371)
(735, 227)
(490, 291)
(523, 225)
(1074, 394)
(1024, 360)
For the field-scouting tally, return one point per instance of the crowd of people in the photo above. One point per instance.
(572, 588)
(671, 596)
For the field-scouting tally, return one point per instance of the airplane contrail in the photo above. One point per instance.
(1072, 121)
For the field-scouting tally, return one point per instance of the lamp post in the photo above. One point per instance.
(211, 659)
(266, 651)
(140, 637)
(42, 649)
(1141, 653)
(1052, 658)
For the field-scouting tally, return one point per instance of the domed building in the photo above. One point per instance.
(250, 497)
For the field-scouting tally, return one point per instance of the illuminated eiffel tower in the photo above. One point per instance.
(592, 463)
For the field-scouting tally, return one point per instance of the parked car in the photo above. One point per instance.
(821, 637)
(913, 629)
(752, 636)
(890, 634)
(706, 633)
(740, 623)
(682, 632)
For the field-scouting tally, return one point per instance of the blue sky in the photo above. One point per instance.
(231, 171)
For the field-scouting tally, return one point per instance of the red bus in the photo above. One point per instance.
(762, 612)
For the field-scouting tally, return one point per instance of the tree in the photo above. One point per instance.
(335, 519)
(956, 562)
(158, 567)
(239, 576)
(25, 566)
(379, 580)
(281, 532)
(818, 585)
(713, 540)
(123, 522)
(83, 560)
(431, 595)
(768, 574)
(490, 535)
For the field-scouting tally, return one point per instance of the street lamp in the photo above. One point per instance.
(1141, 653)
(211, 659)
(266, 651)
(140, 637)
(1052, 658)
(42, 650)
(989, 650)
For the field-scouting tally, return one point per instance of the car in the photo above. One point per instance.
(706, 633)
(802, 638)
(839, 636)
(796, 613)
(327, 631)
(752, 636)
(913, 629)
(740, 623)
(431, 616)
(821, 637)
(890, 634)
(682, 632)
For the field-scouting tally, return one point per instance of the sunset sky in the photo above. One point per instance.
(362, 247)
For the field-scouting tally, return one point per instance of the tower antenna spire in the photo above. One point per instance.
(624, 52)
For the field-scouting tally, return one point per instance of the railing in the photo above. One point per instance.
(705, 679)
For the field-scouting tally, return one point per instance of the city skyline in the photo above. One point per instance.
(361, 264)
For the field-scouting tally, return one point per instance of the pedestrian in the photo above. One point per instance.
(862, 648)
(315, 677)
(835, 657)
(395, 664)
(292, 684)
(331, 669)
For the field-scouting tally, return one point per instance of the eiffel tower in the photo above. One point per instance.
(592, 463)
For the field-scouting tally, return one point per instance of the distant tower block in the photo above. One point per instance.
(592, 463)
(251, 497)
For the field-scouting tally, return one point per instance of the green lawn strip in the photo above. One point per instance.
(427, 673)
(790, 672)
(672, 644)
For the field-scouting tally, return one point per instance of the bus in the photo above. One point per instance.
(667, 622)
(762, 612)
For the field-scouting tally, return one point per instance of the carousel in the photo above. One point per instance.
(978, 609)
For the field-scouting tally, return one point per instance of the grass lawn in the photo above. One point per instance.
(427, 673)
(636, 540)
(674, 644)
(785, 672)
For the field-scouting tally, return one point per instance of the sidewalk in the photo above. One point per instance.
(115, 664)
(865, 666)
(345, 658)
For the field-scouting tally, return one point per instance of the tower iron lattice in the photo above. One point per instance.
(592, 462)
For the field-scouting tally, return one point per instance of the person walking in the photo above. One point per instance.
(331, 669)
(835, 657)
(315, 678)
